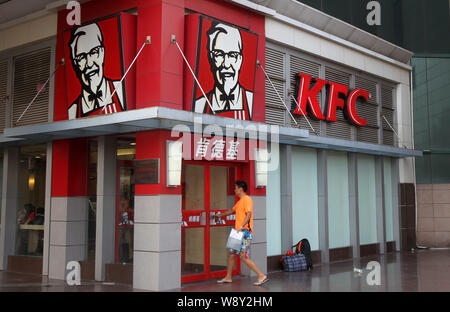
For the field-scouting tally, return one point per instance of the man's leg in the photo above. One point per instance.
(230, 265)
(252, 265)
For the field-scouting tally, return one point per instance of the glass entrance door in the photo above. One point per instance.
(207, 189)
(124, 212)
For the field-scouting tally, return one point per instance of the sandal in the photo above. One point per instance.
(223, 281)
(259, 283)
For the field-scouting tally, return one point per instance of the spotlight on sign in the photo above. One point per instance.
(174, 158)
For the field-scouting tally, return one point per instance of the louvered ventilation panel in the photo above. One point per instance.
(368, 111)
(303, 124)
(388, 138)
(387, 102)
(275, 115)
(275, 109)
(30, 73)
(342, 128)
(299, 65)
(3, 92)
(387, 97)
(368, 85)
(368, 135)
(275, 63)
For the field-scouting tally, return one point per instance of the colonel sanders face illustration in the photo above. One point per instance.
(87, 53)
(227, 98)
(88, 56)
(225, 56)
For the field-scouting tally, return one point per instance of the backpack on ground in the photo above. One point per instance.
(303, 247)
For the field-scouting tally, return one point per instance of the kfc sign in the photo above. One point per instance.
(96, 53)
(225, 64)
(218, 148)
(338, 96)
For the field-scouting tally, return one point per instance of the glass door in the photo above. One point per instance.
(125, 212)
(207, 189)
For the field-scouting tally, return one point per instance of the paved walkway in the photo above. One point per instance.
(425, 270)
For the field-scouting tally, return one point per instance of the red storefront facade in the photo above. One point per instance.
(158, 78)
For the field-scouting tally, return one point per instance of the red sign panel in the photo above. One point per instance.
(225, 68)
(95, 65)
(218, 148)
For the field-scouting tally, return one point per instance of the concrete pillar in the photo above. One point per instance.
(69, 205)
(379, 195)
(322, 191)
(258, 249)
(9, 205)
(395, 202)
(353, 203)
(286, 197)
(157, 242)
(68, 233)
(106, 205)
(47, 213)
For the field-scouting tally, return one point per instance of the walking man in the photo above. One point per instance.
(244, 222)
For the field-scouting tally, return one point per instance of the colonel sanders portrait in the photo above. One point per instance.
(87, 53)
(228, 97)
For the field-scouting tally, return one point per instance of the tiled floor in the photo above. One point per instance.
(413, 271)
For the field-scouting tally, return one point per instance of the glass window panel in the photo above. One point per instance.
(304, 196)
(218, 252)
(367, 200)
(193, 187)
(31, 201)
(338, 204)
(192, 251)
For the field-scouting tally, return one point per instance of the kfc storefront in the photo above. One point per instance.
(154, 122)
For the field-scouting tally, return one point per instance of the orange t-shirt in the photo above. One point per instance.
(244, 205)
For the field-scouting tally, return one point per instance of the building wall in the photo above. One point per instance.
(33, 30)
(292, 47)
(431, 110)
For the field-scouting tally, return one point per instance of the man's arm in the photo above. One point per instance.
(248, 215)
(224, 214)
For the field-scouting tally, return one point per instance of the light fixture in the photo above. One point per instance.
(132, 143)
(31, 181)
(261, 159)
(126, 151)
(174, 157)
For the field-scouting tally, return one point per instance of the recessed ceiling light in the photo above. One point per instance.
(132, 143)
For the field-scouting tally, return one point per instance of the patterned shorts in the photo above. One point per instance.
(246, 242)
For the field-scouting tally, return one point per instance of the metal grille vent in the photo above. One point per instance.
(370, 86)
(338, 76)
(30, 73)
(275, 110)
(274, 63)
(3, 93)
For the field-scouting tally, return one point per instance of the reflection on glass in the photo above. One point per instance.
(125, 213)
(218, 252)
(92, 193)
(192, 251)
(193, 187)
(31, 201)
(222, 198)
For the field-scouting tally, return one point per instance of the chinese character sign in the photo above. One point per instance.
(218, 148)
(226, 70)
